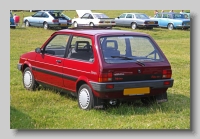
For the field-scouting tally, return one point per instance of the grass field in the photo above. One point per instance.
(47, 109)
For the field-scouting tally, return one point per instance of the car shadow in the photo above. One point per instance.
(17, 123)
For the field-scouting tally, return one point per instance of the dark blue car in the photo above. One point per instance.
(12, 22)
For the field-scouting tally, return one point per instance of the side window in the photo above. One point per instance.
(129, 16)
(81, 49)
(122, 16)
(57, 45)
(38, 14)
(164, 15)
(158, 15)
(45, 15)
(85, 16)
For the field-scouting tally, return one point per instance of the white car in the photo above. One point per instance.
(88, 18)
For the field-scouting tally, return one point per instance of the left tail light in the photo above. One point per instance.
(106, 77)
(55, 20)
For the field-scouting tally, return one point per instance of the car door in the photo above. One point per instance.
(34, 21)
(165, 20)
(119, 20)
(79, 63)
(128, 20)
(50, 61)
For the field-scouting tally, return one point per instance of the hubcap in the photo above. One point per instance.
(84, 98)
(75, 24)
(28, 79)
(133, 26)
(91, 24)
(45, 26)
(170, 26)
(27, 24)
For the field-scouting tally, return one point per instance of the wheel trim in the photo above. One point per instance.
(91, 24)
(170, 27)
(45, 26)
(133, 26)
(84, 98)
(27, 24)
(28, 79)
(75, 24)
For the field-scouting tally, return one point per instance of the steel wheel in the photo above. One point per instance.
(85, 97)
(170, 26)
(45, 25)
(133, 25)
(26, 23)
(29, 80)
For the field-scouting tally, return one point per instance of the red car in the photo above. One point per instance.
(99, 66)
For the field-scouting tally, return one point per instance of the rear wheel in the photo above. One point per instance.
(133, 25)
(85, 97)
(170, 26)
(29, 80)
(45, 25)
(91, 24)
(75, 24)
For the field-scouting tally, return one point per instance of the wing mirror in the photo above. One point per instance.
(38, 50)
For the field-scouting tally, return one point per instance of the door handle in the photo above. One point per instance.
(58, 61)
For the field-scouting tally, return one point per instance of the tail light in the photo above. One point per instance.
(106, 77)
(69, 21)
(100, 21)
(55, 20)
(112, 21)
(145, 22)
(167, 73)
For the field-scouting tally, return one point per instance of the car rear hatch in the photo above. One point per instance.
(57, 14)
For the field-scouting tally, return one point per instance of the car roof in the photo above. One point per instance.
(101, 32)
(133, 13)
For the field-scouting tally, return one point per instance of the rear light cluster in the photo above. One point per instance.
(55, 20)
(112, 21)
(69, 21)
(106, 77)
(167, 74)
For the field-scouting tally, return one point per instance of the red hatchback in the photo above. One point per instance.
(99, 66)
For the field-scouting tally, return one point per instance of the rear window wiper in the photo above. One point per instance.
(123, 57)
(140, 63)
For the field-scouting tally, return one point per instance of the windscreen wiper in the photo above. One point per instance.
(123, 57)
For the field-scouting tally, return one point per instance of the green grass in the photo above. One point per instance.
(48, 109)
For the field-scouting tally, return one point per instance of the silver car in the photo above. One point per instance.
(48, 19)
(135, 20)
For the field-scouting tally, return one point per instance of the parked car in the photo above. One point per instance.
(135, 20)
(99, 66)
(186, 15)
(48, 19)
(88, 18)
(12, 21)
(172, 20)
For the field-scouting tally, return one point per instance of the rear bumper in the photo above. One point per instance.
(120, 86)
(148, 25)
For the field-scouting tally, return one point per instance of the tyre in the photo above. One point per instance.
(27, 23)
(133, 25)
(85, 97)
(29, 80)
(45, 25)
(91, 24)
(75, 24)
(170, 26)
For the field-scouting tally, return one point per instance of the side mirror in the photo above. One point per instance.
(38, 50)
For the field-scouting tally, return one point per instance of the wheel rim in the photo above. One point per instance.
(91, 24)
(75, 24)
(170, 27)
(27, 24)
(84, 98)
(28, 79)
(45, 26)
(133, 26)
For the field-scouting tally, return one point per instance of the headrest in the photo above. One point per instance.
(78, 45)
(111, 44)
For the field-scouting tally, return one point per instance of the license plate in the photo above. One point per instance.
(63, 24)
(151, 22)
(137, 91)
(107, 21)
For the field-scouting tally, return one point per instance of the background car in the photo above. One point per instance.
(135, 20)
(172, 20)
(186, 15)
(48, 19)
(12, 21)
(88, 18)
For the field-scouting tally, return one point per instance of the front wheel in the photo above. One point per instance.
(85, 97)
(91, 24)
(75, 24)
(29, 80)
(170, 26)
(26, 23)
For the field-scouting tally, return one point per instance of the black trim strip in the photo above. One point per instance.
(55, 74)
